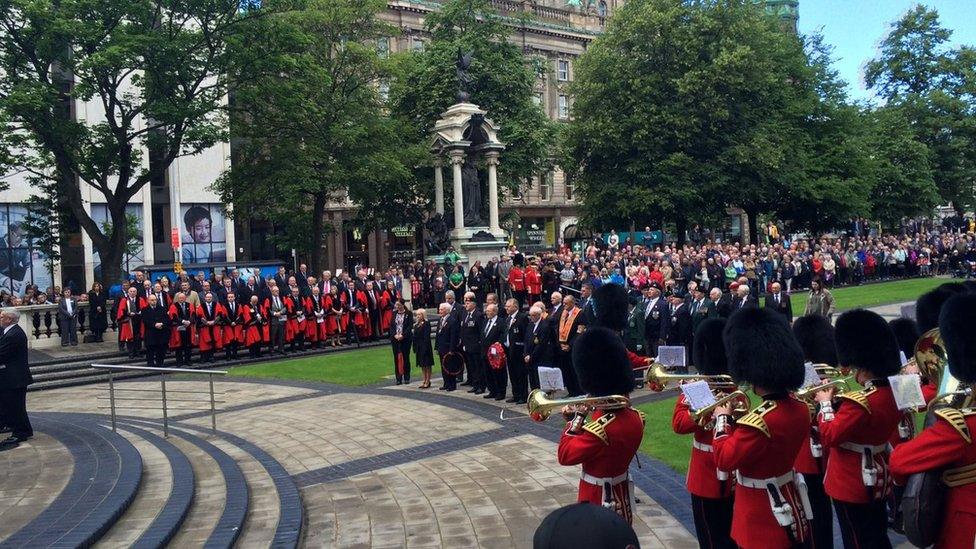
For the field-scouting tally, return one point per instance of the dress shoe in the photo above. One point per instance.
(500, 397)
(451, 389)
(466, 383)
(479, 391)
(442, 388)
(510, 400)
(520, 402)
(472, 390)
(11, 442)
(399, 383)
(4, 429)
(489, 395)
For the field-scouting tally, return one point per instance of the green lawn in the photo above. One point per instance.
(870, 295)
(353, 368)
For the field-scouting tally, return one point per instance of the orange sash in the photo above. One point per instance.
(566, 323)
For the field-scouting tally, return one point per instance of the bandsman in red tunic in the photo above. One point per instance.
(208, 327)
(857, 434)
(816, 336)
(516, 281)
(255, 327)
(710, 489)
(182, 317)
(315, 313)
(129, 318)
(233, 335)
(948, 443)
(295, 327)
(533, 283)
(771, 509)
(927, 310)
(606, 444)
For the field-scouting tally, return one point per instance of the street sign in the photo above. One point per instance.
(175, 237)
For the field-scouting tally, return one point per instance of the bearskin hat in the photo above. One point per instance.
(815, 334)
(957, 325)
(969, 285)
(709, 349)
(866, 342)
(601, 364)
(930, 303)
(609, 303)
(906, 334)
(762, 351)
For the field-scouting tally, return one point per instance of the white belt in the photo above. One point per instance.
(859, 448)
(760, 483)
(598, 481)
(701, 446)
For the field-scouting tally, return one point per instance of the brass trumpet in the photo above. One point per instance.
(931, 357)
(541, 406)
(657, 379)
(808, 394)
(826, 370)
(740, 407)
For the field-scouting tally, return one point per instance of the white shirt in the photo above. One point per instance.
(68, 304)
(7, 329)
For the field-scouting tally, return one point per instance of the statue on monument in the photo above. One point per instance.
(464, 79)
(471, 193)
(437, 238)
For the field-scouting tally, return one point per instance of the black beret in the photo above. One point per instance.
(866, 342)
(709, 349)
(815, 334)
(957, 325)
(601, 363)
(906, 334)
(584, 525)
(762, 351)
(609, 303)
(930, 303)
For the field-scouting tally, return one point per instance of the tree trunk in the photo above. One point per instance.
(681, 225)
(753, 221)
(318, 224)
(111, 248)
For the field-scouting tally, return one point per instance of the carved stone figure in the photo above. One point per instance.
(471, 194)
(437, 241)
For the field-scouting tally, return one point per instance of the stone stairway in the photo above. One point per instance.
(137, 488)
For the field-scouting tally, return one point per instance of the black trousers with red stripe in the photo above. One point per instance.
(863, 525)
(713, 522)
(401, 360)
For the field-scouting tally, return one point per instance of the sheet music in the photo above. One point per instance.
(810, 376)
(907, 390)
(908, 311)
(698, 395)
(551, 379)
(903, 358)
(671, 355)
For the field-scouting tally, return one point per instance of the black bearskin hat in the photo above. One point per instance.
(762, 351)
(609, 303)
(906, 334)
(709, 349)
(957, 325)
(815, 334)
(866, 342)
(601, 363)
(930, 303)
(969, 285)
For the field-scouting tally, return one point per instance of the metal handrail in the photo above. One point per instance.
(162, 381)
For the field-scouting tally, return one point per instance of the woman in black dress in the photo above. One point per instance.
(97, 309)
(476, 283)
(422, 346)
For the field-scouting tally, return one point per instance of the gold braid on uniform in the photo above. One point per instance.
(957, 418)
(860, 398)
(597, 427)
(755, 419)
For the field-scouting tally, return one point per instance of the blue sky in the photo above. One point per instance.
(856, 27)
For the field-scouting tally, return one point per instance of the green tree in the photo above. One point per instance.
(154, 68)
(932, 84)
(426, 85)
(310, 122)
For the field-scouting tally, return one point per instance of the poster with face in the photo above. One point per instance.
(134, 255)
(20, 265)
(202, 233)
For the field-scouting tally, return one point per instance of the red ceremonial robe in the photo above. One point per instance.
(234, 323)
(210, 335)
(129, 314)
(177, 320)
(296, 317)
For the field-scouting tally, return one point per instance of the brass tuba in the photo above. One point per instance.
(541, 406)
(657, 379)
(930, 356)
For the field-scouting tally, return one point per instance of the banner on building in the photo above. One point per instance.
(202, 233)
(134, 254)
(20, 264)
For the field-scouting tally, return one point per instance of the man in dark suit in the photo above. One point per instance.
(447, 341)
(15, 376)
(497, 380)
(68, 319)
(401, 336)
(538, 345)
(656, 321)
(700, 309)
(281, 279)
(156, 320)
(679, 330)
(472, 324)
(779, 301)
(721, 302)
(514, 341)
(568, 326)
(742, 298)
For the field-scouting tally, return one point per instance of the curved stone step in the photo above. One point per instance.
(31, 477)
(106, 476)
(164, 497)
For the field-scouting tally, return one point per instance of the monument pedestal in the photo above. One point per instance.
(478, 244)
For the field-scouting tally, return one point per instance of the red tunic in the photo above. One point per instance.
(210, 335)
(127, 318)
(516, 280)
(805, 462)
(703, 475)
(761, 445)
(234, 324)
(176, 320)
(605, 447)
(865, 417)
(941, 445)
(533, 281)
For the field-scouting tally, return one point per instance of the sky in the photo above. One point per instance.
(856, 27)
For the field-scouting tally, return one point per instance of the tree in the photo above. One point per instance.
(310, 122)
(932, 85)
(155, 68)
(426, 85)
(702, 116)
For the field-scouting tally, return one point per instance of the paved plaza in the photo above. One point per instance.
(300, 464)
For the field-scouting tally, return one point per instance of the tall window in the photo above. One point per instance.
(601, 9)
(563, 111)
(570, 187)
(384, 90)
(562, 70)
(545, 187)
(538, 100)
(383, 47)
(417, 44)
